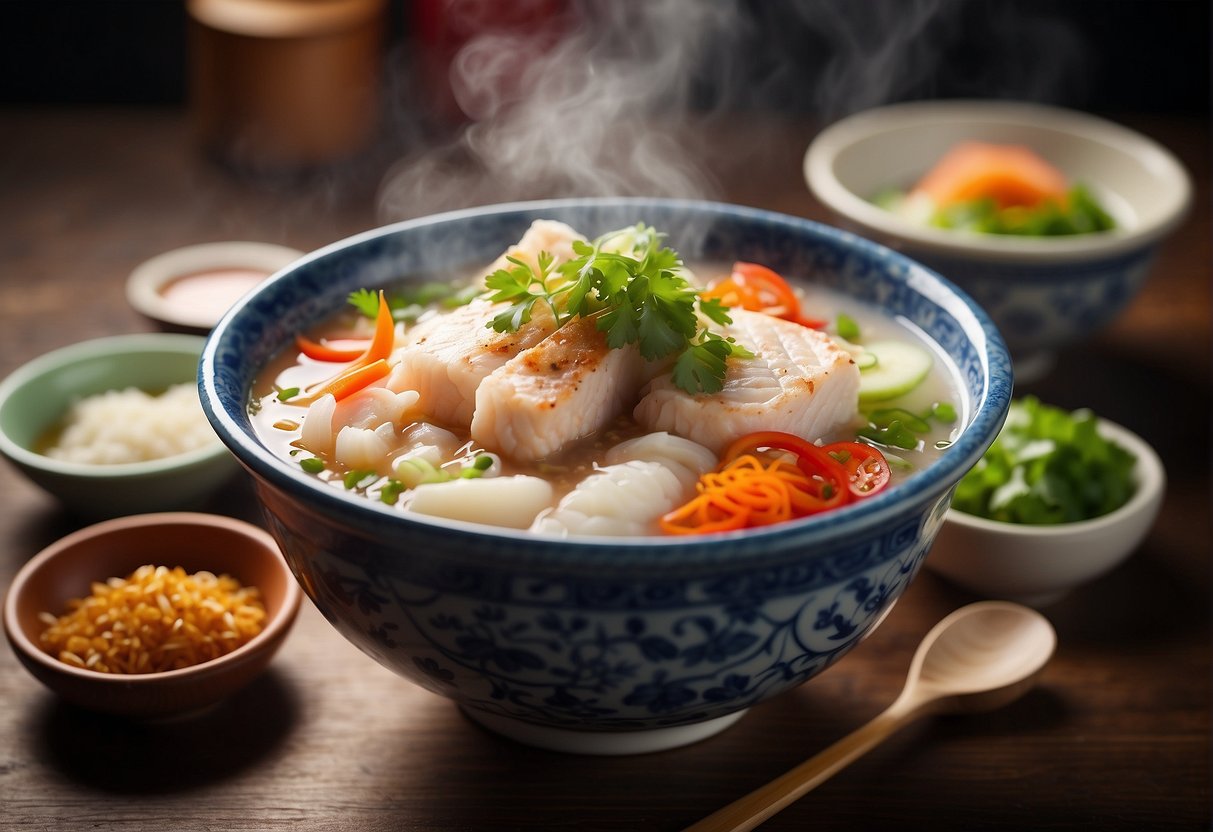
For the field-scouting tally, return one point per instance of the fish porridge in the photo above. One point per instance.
(603, 387)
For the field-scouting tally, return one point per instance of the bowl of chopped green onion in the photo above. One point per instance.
(1049, 218)
(1059, 499)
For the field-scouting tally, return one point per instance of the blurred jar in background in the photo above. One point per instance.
(282, 85)
(472, 56)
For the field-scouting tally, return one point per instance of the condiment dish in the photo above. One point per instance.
(36, 396)
(66, 569)
(1042, 292)
(188, 289)
(605, 645)
(1040, 565)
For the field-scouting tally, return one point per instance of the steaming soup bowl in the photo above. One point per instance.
(1043, 293)
(609, 645)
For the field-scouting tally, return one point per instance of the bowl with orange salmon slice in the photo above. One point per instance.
(1049, 218)
(606, 473)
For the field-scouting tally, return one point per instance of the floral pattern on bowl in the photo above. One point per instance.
(609, 645)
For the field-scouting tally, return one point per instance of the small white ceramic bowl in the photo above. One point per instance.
(1039, 565)
(1042, 292)
(189, 289)
(37, 395)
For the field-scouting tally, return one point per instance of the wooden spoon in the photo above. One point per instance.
(979, 658)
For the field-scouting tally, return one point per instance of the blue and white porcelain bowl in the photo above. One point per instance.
(1043, 293)
(604, 645)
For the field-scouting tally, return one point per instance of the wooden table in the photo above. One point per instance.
(1116, 737)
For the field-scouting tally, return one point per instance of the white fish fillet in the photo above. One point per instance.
(446, 357)
(798, 381)
(562, 389)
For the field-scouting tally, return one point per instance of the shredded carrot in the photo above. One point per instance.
(746, 481)
(368, 367)
(745, 492)
(351, 381)
(385, 334)
(711, 511)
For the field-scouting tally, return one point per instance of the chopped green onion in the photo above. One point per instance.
(390, 492)
(847, 327)
(313, 464)
(471, 473)
(1048, 465)
(885, 417)
(288, 393)
(894, 434)
(483, 462)
(359, 479)
(416, 471)
(944, 412)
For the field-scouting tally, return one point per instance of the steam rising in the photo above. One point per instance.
(632, 98)
(597, 113)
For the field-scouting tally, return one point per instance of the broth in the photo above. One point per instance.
(279, 422)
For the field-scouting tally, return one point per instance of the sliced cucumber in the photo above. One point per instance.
(899, 368)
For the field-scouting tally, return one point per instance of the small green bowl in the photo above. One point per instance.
(37, 395)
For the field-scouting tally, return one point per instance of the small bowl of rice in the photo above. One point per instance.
(114, 426)
(154, 615)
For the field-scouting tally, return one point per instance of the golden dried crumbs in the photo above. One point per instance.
(155, 619)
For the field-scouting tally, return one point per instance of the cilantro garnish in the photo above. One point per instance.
(411, 301)
(365, 301)
(633, 286)
(1048, 465)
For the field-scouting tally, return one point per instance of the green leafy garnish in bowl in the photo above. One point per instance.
(1047, 466)
(1080, 214)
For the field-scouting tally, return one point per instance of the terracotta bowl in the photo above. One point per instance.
(67, 568)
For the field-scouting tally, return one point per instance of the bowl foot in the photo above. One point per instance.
(603, 743)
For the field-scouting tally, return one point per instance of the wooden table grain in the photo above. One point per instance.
(1116, 736)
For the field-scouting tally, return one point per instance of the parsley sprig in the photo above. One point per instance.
(633, 286)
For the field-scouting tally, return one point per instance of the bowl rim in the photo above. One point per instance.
(149, 277)
(97, 348)
(644, 550)
(275, 626)
(823, 150)
(1149, 474)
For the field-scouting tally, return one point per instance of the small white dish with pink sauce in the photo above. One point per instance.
(189, 289)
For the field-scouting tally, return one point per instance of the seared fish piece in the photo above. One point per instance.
(444, 358)
(799, 381)
(562, 389)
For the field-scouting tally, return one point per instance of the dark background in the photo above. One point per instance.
(1148, 56)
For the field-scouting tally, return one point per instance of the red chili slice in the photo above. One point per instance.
(328, 352)
(867, 469)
